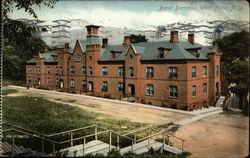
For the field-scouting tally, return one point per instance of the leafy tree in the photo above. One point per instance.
(19, 40)
(235, 49)
(138, 38)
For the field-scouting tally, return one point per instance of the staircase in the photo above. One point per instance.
(146, 145)
(98, 147)
(20, 151)
(220, 101)
(92, 147)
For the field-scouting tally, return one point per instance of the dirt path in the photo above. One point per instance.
(220, 135)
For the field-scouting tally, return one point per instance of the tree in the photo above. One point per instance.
(20, 40)
(235, 49)
(138, 38)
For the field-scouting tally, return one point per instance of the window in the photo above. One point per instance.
(72, 83)
(193, 71)
(104, 71)
(29, 69)
(120, 87)
(173, 72)
(77, 57)
(131, 71)
(161, 54)
(217, 70)
(48, 70)
(38, 69)
(120, 71)
(204, 71)
(72, 70)
(91, 86)
(193, 91)
(104, 86)
(150, 72)
(61, 71)
(173, 92)
(150, 90)
(35, 69)
(36, 80)
(204, 88)
(83, 70)
(90, 71)
(84, 84)
(48, 80)
(56, 70)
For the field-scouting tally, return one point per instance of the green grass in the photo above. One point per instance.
(13, 82)
(48, 117)
(8, 91)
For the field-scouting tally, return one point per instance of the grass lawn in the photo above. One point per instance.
(48, 117)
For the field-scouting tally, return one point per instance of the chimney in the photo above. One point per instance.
(127, 40)
(174, 36)
(92, 29)
(104, 42)
(191, 38)
(45, 48)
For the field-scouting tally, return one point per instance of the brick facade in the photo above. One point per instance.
(147, 81)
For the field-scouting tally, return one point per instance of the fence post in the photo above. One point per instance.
(95, 133)
(83, 148)
(53, 152)
(13, 144)
(148, 140)
(118, 142)
(71, 139)
(182, 145)
(42, 145)
(110, 140)
(163, 139)
(132, 145)
(135, 139)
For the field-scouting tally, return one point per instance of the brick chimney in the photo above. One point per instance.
(92, 29)
(174, 37)
(127, 40)
(191, 38)
(104, 42)
(45, 48)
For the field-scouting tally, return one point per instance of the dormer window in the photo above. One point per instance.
(162, 52)
(115, 54)
(194, 52)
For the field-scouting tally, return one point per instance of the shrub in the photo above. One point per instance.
(185, 107)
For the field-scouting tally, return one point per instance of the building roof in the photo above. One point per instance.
(149, 51)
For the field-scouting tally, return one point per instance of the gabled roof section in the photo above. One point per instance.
(31, 61)
(48, 56)
(150, 51)
(82, 44)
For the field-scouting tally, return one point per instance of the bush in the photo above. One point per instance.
(173, 106)
(185, 107)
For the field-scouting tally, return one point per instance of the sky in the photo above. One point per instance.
(142, 14)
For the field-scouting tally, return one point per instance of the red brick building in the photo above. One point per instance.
(171, 73)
